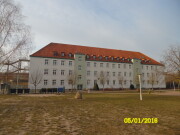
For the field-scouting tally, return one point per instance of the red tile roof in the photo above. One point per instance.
(54, 50)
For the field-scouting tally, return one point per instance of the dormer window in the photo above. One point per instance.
(55, 53)
(117, 58)
(123, 59)
(106, 57)
(63, 54)
(112, 58)
(87, 56)
(100, 57)
(94, 57)
(70, 54)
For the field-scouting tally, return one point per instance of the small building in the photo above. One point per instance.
(56, 63)
(13, 81)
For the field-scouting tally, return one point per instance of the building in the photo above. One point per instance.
(109, 68)
(13, 81)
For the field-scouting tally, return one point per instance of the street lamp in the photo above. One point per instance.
(139, 75)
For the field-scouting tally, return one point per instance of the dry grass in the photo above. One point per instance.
(96, 114)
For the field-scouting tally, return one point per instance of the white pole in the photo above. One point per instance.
(140, 86)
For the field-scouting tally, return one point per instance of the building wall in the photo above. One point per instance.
(127, 71)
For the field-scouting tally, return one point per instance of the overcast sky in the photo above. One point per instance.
(147, 26)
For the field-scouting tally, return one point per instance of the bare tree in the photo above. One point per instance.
(121, 81)
(36, 78)
(172, 60)
(103, 77)
(152, 80)
(72, 79)
(15, 36)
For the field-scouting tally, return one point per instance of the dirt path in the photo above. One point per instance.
(169, 93)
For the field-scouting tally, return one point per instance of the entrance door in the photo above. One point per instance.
(79, 87)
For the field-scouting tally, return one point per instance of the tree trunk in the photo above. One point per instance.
(35, 89)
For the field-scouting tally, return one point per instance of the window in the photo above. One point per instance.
(107, 73)
(151, 67)
(119, 65)
(88, 73)
(79, 77)
(62, 62)
(142, 67)
(88, 64)
(95, 73)
(114, 73)
(101, 64)
(87, 56)
(119, 73)
(106, 57)
(45, 82)
(88, 82)
(114, 82)
(95, 81)
(70, 63)
(142, 74)
(147, 74)
(129, 66)
(100, 57)
(79, 67)
(124, 65)
(54, 62)
(62, 72)
(124, 73)
(80, 58)
(70, 54)
(94, 57)
(113, 65)
(45, 71)
(62, 82)
(70, 72)
(107, 65)
(70, 82)
(53, 82)
(143, 81)
(95, 64)
(46, 62)
(107, 82)
(55, 53)
(117, 58)
(147, 67)
(129, 74)
(148, 81)
(54, 72)
(130, 81)
(63, 54)
(112, 58)
(124, 82)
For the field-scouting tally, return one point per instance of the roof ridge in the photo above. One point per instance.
(91, 47)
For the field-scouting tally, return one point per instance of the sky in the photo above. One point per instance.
(146, 26)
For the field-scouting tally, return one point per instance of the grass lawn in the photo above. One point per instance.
(96, 114)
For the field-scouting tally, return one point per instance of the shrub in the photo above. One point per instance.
(131, 86)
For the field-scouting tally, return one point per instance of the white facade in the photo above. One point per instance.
(55, 73)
